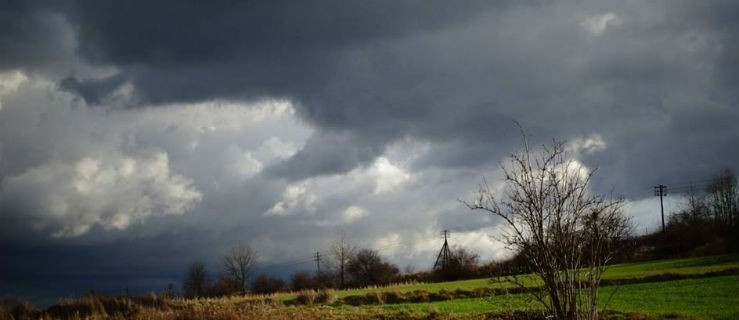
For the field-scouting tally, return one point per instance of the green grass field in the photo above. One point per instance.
(707, 298)
(619, 271)
(701, 296)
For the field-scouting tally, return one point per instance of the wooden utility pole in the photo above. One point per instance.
(317, 258)
(661, 191)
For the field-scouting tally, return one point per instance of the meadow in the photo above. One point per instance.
(704, 298)
(693, 288)
(687, 266)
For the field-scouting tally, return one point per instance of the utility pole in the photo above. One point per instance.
(317, 258)
(661, 191)
(442, 260)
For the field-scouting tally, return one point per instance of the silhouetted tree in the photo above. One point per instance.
(196, 280)
(560, 226)
(238, 264)
(368, 268)
(223, 286)
(342, 251)
(324, 280)
(723, 198)
(265, 284)
(301, 280)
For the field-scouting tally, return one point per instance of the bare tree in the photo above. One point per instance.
(723, 197)
(566, 234)
(266, 284)
(301, 280)
(368, 268)
(238, 264)
(342, 251)
(196, 280)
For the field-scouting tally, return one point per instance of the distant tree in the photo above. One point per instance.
(265, 284)
(342, 251)
(196, 280)
(301, 280)
(238, 264)
(325, 279)
(707, 223)
(368, 268)
(724, 197)
(566, 233)
(223, 286)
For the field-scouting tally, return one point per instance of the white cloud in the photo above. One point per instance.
(110, 191)
(645, 213)
(276, 148)
(354, 213)
(307, 196)
(112, 167)
(387, 176)
(246, 166)
(296, 199)
(486, 242)
(587, 145)
(598, 24)
(9, 83)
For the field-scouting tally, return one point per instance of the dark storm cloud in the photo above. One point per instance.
(30, 33)
(447, 72)
(179, 32)
(304, 51)
(325, 154)
(243, 48)
(93, 91)
(42, 273)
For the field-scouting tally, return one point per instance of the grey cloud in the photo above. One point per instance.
(325, 154)
(93, 91)
(112, 192)
(249, 49)
(32, 34)
(228, 30)
(382, 72)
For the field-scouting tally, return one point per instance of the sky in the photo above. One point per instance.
(137, 137)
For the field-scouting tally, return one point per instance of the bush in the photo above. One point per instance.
(17, 310)
(419, 296)
(442, 295)
(375, 298)
(325, 296)
(307, 297)
(354, 300)
(461, 294)
(395, 297)
(265, 284)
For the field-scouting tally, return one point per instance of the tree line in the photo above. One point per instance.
(707, 224)
(348, 266)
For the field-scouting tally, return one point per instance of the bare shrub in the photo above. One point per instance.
(566, 234)
(325, 296)
(306, 297)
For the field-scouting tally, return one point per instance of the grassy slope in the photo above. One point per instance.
(681, 266)
(709, 298)
(619, 271)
